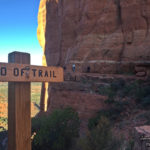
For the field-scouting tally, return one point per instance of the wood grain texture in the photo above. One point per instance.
(19, 120)
(29, 73)
(44, 97)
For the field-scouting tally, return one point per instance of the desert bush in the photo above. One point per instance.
(100, 137)
(130, 145)
(117, 84)
(135, 90)
(3, 123)
(56, 131)
(145, 101)
(93, 122)
(113, 113)
(142, 95)
(138, 90)
(107, 90)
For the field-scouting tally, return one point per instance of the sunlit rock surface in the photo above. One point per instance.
(108, 35)
(41, 23)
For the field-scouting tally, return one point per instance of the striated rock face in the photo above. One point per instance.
(108, 35)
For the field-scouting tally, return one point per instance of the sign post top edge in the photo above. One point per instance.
(19, 57)
(17, 52)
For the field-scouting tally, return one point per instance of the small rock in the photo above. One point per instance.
(140, 69)
(141, 74)
(142, 138)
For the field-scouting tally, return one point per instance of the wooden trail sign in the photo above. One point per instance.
(19, 73)
(28, 73)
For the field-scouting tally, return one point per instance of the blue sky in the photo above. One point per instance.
(18, 29)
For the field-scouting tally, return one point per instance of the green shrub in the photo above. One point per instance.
(130, 145)
(107, 90)
(113, 113)
(145, 101)
(3, 123)
(142, 95)
(137, 90)
(57, 131)
(117, 84)
(93, 122)
(100, 137)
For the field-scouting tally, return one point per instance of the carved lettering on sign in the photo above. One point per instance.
(21, 72)
(3, 71)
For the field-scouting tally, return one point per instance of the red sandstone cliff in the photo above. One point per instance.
(107, 35)
(110, 36)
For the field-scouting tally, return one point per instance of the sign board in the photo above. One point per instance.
(11, 72)
(19, 73)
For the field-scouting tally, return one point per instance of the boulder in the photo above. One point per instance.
(141, 74)
(142, 138)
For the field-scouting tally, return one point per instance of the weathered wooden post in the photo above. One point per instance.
(19, 109)
(19, 73)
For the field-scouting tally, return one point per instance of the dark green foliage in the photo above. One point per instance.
(117, 84)
(145, 101)
(122, 89)
(100, 137)
(128, 90)
(113, 90)
(142, 95)
(93, 122)
(112, 114)
(57, 131)
(138, 90)
(120, 93)
(130, 145)
(4, 120)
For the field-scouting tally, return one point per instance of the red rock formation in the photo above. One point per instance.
(109, 36)
(85, 103)
(142, 138)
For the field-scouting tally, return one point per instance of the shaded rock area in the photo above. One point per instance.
(87, 94)
(142, 138)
